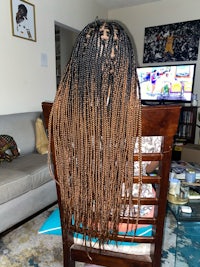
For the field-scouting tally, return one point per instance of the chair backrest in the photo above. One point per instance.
(156, 121)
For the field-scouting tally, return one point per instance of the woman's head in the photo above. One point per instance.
(102, 59)
(21, 13)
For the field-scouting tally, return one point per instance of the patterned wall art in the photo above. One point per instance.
(23, 19)
(172, 42)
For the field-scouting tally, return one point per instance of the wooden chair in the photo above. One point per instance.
(157, 121)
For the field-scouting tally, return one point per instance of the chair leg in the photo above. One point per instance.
(67, 262)
(67, 243)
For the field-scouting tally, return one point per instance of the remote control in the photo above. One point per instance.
(186, 209)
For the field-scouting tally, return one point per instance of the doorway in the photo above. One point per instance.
(64, 40)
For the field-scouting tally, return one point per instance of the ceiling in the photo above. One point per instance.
(114, 4)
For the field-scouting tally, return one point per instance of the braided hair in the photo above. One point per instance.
(94, 122)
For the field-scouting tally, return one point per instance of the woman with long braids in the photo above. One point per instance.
(94, 122)
(23, 27)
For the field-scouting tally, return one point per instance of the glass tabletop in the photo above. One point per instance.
(183, 217)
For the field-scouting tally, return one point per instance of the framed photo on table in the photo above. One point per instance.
(23, 19)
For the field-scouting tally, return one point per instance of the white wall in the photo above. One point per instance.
(24, 83)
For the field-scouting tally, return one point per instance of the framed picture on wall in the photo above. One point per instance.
(23, 19)
(172, 42)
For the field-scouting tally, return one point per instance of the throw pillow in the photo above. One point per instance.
(8, 148)
(41, 137)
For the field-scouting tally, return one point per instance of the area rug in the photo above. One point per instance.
(24, 247)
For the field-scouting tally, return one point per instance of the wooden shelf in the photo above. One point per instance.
(187, 124)
(186, 130)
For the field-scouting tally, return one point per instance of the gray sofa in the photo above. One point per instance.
(26, 186)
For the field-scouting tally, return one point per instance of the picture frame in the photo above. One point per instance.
(23, 20)
(172, 42)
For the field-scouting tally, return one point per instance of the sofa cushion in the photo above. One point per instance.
(41, 141)
(13, 183)
(8, 148)
(21, 126)
(33, 164)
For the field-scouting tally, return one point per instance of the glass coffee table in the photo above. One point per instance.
(187, 234)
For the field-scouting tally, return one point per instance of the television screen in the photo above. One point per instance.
(167, 82)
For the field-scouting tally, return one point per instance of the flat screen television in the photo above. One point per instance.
(171, 83)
